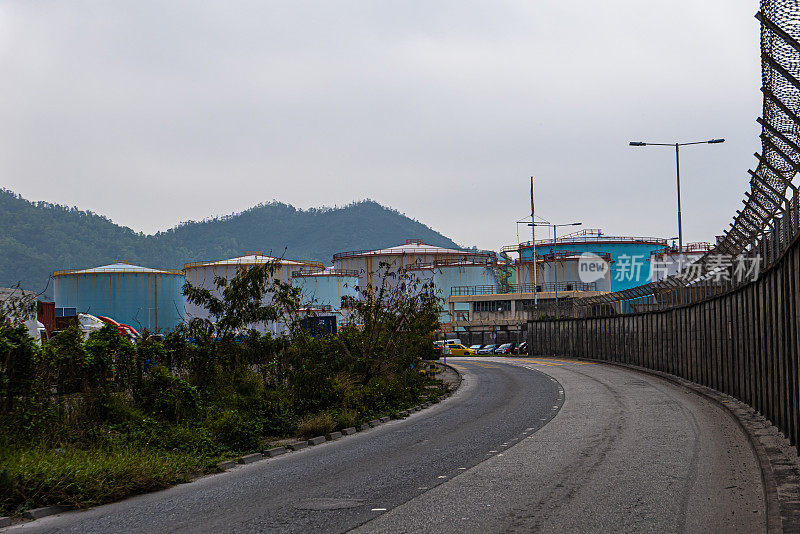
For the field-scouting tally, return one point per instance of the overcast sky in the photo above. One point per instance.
(152, 113)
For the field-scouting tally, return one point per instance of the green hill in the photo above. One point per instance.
(37, 238)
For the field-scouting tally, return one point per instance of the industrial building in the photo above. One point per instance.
(628, 257)
(325, 290)
(143, 298)
(202, 274)
(501, 317)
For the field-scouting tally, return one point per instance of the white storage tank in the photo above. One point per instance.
(414, 253)
(202, 274)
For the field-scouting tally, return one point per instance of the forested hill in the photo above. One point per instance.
(37, 238)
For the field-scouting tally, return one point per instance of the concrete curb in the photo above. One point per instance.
(349, 431)
(333, 436)
(224, 466)
(250, 458)
(275, 451)
(38, 513)
(778, 460)
(317, 440)
(297, 446)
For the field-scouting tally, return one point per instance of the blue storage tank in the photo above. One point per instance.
(140, 297)
(629, 256)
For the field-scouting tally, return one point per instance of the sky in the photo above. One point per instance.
(157, 112)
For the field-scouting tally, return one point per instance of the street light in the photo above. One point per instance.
(678, 173)
(555, 245)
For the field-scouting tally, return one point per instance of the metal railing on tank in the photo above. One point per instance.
(460, 291)
(324, 272)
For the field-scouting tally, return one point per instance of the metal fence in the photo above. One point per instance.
(737, 335)
(745, 342)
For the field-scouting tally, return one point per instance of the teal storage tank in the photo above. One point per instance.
(629, 256)
(140, 297)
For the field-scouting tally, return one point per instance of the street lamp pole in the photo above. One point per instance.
(678, 176)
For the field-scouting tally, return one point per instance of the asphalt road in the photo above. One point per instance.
(589, 448)
(334, 487)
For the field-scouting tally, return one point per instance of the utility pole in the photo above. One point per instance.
(533, 244)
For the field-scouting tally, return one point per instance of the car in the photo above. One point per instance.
(476, 348)
(522, 349)
(457, 349)
(505, 348)
(487, 349)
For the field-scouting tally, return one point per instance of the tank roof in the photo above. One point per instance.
(251, 258)
(412, 246)
(116, 268)
(588, 236)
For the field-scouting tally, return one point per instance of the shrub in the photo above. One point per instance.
(236, 432)
(316, 425)
(346, 418)
(167, 396)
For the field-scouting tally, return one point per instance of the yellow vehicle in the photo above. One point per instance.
(456, 349)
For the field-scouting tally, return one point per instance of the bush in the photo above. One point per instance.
(316, 425)
(346, 418)
(236, 432)
(168, 396)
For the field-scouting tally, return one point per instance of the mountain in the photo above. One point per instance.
(37, 238)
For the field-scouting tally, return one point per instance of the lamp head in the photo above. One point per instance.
(637, 143)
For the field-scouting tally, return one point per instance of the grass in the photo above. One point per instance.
(33, 477)
(139, 456)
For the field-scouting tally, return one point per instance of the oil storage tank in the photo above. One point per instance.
(628, 257)
(202, 275)
(325, 290)
(449, 275)
(414, 253)
(138, 296)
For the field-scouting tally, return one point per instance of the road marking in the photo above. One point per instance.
(491, 452)
(462, 468)
(442, 476)
(379, 509)
(422, 488)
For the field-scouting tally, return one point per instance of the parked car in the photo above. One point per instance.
(505, 348)
(459, 350)
(522, 349)
(487, 349)
(477, 347)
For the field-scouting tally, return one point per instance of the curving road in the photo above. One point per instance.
(524, 445)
